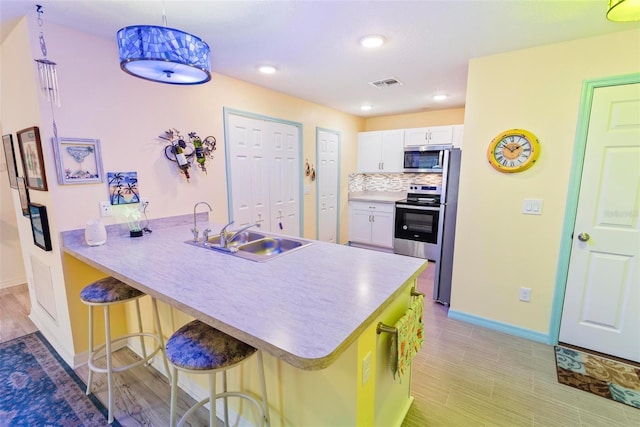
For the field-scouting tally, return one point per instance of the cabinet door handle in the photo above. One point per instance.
(373, 218)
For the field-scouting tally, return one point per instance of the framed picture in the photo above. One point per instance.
(78, 160)
(123, 188)
(24, 196)
(10, 157)
(40, 226)
(32, 160)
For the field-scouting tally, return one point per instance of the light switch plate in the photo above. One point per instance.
(105, 209)
(532, 207)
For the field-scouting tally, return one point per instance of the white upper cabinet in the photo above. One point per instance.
(435, 135)
(458, 131)
(381, 151)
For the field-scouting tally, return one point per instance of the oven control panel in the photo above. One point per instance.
(424, 189)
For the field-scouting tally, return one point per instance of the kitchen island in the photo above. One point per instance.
(312, 311)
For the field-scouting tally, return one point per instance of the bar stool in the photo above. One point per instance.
(105, 293)
(198, 348)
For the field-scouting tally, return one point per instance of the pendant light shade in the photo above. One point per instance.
(623, 10)
(164, 55)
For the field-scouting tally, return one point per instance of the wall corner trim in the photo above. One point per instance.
(500, 327)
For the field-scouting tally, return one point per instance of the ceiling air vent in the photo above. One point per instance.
(386, 82)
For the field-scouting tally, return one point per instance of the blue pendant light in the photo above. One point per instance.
(164, 55)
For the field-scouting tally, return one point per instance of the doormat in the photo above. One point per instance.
(599, 375)
(39, 389)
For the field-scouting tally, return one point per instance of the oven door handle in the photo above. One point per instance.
(418, 208)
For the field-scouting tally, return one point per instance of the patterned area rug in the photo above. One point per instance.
(598, 375)
(39, 389)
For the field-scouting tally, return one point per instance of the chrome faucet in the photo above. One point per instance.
(227, 237)
(195, 230)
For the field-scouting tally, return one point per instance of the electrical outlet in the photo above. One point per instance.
(366, 368)
(105, 209)
(525, 294)
(144, 205)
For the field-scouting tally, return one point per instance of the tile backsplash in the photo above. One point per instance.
(390, 181)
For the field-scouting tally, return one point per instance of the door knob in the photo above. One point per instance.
(583, 237)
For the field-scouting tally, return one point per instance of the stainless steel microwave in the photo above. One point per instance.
(426, 158)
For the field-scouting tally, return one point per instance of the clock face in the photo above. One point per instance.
(514, 150)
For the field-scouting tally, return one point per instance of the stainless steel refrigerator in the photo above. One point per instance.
(449, 209)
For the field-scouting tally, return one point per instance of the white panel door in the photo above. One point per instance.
(249, 171)
(285, 182)
(327, 148)
(241, 133)
(601, 309)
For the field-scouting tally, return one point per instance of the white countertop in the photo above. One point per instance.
(304, 307)
(378, 196)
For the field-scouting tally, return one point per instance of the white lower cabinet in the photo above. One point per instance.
(371, 223)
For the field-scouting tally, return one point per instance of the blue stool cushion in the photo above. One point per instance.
(198, 346)
(108, 290)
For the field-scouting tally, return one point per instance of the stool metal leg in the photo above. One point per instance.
(226, 399)
(213, 419)
(107, 332)
(144, 348)
(156, 319)
(90, 379)
(174, 397)
(263, 389)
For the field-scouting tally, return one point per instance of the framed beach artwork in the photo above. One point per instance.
(32, 160)
(40, 226)
(10, 158)
(123, 188)
(24, 196)
(78, 160)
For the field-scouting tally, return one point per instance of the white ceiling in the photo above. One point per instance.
(314, 44)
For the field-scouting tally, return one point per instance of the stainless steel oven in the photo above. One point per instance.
(418, 222)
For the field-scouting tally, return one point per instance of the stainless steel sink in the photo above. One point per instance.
(240, 239)
(255, 246)
(269, 248)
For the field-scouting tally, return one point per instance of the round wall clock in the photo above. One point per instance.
(514, 150)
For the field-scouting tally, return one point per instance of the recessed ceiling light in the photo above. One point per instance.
(372, 41)
(439, 97)
(366, 107)
(267, 69)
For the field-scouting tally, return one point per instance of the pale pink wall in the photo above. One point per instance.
(128, 114)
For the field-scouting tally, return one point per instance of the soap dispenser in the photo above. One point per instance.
(95, 233)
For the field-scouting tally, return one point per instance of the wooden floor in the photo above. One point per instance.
(464, 375)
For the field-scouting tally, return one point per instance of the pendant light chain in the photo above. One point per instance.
(164, 15)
